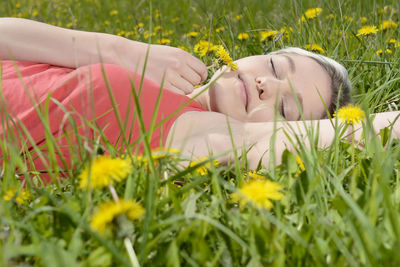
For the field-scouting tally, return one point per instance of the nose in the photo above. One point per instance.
(266, 86)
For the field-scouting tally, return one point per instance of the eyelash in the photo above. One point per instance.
(273, 67)
(282, 109)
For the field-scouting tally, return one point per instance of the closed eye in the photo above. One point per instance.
(273, 67)
(282, 109)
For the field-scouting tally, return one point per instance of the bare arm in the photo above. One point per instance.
(198, 133)
(28, 40)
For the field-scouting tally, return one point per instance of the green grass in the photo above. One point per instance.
(342, 210)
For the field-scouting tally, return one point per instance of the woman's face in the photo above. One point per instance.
(263, 84)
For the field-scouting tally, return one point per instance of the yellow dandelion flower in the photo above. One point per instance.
(286, 31)
(388, 51)
(255, 175)
(113, 12)
(108, 211)
(330, 16)
(394, 43)
(203, 47)
(238, 17)
(35, 12)
(104, 171)
(17, 5)
(233, 66)
(162, 152)
(203, 169)
(315, 48)
(379, 52)
(350, 114)
(363, 20)
(301, 165)
(311, 13)
(193, 34)
(19, 197)
(183, 48)
(267, 35)
(224, 57)
(387, 10)
(157, 28)
(367, 30)
(388, 24)
(220, 29)
(243, 36)
(163, 41)
(157, 14)
(158, 154)
(168, 33)
(259, 193)
(120, 32)
(349, 19)
(174, 20)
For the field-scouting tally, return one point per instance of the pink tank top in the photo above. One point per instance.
(80, 102)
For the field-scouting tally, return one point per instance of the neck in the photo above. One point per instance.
(201, 95)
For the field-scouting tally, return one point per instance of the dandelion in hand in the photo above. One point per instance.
(108, 211)
(259, 193)
(104, 171)
(202, 48)
(350, 114)
(224, 57)
(367, 30)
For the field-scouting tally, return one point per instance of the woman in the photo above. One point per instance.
(239, 111)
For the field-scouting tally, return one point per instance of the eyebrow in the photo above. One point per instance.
(292, 65)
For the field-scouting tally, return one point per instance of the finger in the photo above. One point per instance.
(181, 83)
(191, 76)
(198, 66)
(172, 88)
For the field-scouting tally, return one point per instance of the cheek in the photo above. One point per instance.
(221, 98)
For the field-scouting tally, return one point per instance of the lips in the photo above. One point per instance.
(244, 93)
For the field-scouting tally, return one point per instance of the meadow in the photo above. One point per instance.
(338, 206)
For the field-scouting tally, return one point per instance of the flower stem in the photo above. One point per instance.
(113, 193)
(131, 252)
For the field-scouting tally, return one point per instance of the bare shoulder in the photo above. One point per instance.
(197, 134)
(197, 123)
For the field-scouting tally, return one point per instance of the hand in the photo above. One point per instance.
(181, 70)
(388, 119)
